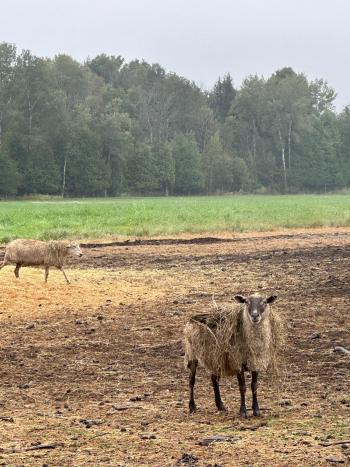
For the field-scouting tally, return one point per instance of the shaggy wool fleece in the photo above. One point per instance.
(225, 341)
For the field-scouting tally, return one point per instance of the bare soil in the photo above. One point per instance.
(95, 369)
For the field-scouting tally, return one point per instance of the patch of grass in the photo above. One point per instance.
(98, 218)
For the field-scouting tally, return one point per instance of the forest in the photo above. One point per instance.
(108, 127)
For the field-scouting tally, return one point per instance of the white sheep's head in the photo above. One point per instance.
(256, 305)
(73, 249)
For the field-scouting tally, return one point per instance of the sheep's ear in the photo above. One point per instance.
(240, 299)
(271, 299)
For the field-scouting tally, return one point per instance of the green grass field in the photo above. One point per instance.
(100, 218)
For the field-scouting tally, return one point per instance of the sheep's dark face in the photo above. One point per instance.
(255, 305)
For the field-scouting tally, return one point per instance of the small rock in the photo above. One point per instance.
(78, 321)
(340, 349)
(187, 459)
(334, 460)
(100, 317)
(218, 439)
(135, 399)
(148, 436)
(7, 419)
(344, 446)
(30, 326)
(90, 423)
(24, 386)
(138, 350)
(286, 403)
(121, 408)
(315, 335)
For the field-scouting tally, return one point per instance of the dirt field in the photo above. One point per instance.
(95, 369)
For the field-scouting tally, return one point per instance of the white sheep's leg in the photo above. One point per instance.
(215, 382)
(16, 271)
(192, 365)
(242, 389)
(47, 269)
(256, 410)
(64, 273)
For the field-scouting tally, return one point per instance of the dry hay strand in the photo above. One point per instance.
(210, 338)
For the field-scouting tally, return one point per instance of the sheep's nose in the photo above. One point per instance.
(255, 315)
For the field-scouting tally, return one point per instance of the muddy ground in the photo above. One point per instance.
(94, 370)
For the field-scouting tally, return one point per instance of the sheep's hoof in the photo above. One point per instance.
(222, 408)
(192, 407)
(256, 413)
(243, 413)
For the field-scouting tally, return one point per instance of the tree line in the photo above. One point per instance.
(107, 127)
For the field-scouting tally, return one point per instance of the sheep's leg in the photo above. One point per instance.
(17, 268)
(192, 365)
(215, 381)
(242, 389)
(3, 263)
(64, 273)
(47, 269)
(256, 410)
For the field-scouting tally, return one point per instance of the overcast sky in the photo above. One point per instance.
(199, 39)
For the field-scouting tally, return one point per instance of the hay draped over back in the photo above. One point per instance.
(225, 341)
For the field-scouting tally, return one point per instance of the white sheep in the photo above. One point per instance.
(37, 253)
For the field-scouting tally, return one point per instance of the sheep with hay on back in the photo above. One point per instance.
(37, 253)
(233, 340)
